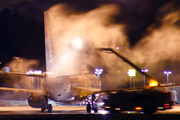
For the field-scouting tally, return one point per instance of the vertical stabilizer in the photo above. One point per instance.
(48, 42)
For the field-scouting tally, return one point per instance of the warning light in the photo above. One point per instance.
(166, 105)
(138, 108)
(153, 83)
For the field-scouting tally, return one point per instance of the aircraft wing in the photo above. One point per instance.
(24, 74)
(84, 92)
(87, 89)
(16, 90)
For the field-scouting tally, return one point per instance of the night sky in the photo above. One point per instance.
(22, 22)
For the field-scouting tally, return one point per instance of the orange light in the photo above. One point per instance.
(117, 108)
(107, 107)
(138, 108)
(153, 83)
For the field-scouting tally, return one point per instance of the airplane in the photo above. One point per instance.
(69, 88)
(61, 88)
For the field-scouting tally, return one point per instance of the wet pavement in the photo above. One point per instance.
(79, 113)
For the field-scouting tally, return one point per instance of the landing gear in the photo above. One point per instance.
(43, 108)
(95, 106)
(90, 107)
(91, 99)
(50, 108)
(46, 106)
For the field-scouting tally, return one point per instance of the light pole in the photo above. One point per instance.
(98, 72)
(167, 73)
(37, 79)
(144, 78)
(132, 72)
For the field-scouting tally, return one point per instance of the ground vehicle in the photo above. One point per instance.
(147, 99)
(144, 100)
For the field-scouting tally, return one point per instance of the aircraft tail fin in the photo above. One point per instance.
(48, 42)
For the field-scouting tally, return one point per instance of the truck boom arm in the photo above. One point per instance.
(148, 76)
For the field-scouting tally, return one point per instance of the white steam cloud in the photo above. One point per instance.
(21, 65)
(96, 29)
(160, 50)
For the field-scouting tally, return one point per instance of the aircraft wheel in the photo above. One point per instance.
(88, 108)
(95, 108)
(49, 108)
(149, 110)
(43, 109)
(112, 109)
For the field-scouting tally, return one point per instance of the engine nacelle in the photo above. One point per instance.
(36, 100)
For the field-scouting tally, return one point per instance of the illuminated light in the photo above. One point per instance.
(103, 112)
(117, 48)
(144, 78)
(167, 73)
(142, 112)
(100, 104)
(6, 69)
(98, 72)
(114, 92)
(160, 108)
(153, 83)
(34, 72)
(138, 108)
(166, 106)
(38, 72)
(165, 91)
(78, 43)
(107, 107)
(117, 108)
(132, 72)
(145, 70)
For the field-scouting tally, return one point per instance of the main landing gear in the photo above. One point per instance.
(91, 105)
(46, 106)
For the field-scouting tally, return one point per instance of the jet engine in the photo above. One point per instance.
(36, 101)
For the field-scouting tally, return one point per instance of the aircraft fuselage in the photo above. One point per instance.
(67, 88)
